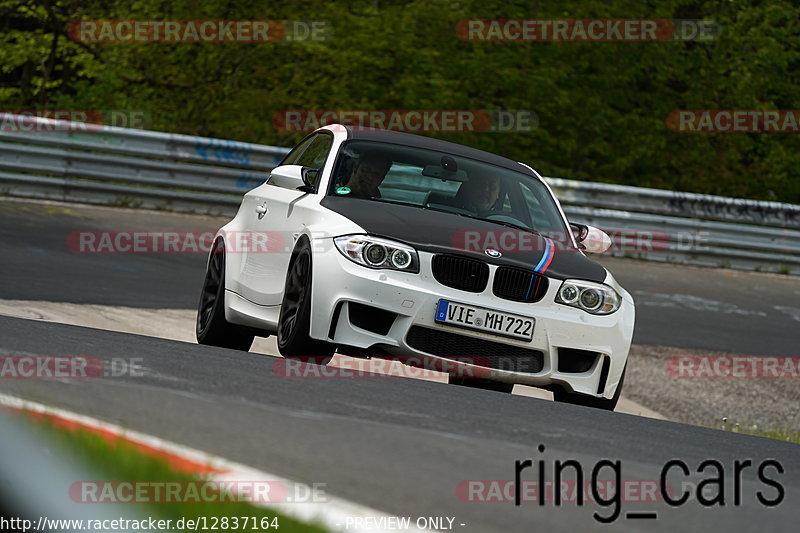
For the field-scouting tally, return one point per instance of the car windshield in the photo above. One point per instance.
(429, 179)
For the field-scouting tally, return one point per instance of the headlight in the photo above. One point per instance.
(374, 252)
(594, 298)
(400, 259)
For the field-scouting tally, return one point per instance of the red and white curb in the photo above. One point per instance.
(333, 513)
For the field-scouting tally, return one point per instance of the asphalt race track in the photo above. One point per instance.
(399, 445)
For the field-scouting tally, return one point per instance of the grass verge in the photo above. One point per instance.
(117, 460)
(777, 434)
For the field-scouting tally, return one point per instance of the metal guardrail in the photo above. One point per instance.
(59, 160)
(680, 204)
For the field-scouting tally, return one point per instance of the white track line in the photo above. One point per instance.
(332, 513)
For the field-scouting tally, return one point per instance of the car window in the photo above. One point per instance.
(437, 180)
(316, 153)
(405, 183)
(297, 151)
(542, 211)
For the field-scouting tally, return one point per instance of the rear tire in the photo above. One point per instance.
(480, 383)
(294, 322)
(560, 395)
(211, 328)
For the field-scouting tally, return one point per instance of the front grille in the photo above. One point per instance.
(460, 272)
(476, 351)
(519, 285)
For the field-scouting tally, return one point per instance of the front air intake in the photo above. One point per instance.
(475, 351)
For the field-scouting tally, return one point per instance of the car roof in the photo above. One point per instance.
(418, 141)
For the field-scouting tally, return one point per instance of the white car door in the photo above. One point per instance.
(272, 225)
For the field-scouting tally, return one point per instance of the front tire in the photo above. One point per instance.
(294, 322)
(211, 327)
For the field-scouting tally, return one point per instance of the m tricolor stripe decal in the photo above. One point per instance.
(547, 257)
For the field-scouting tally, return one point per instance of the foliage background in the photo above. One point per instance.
(602, 107)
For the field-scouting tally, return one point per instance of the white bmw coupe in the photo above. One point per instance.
(383, 244)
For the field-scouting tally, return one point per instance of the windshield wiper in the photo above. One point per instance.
(423, 206)
(398, 202)
(512, 225)
(500, 222)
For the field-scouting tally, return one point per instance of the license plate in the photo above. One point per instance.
(486, 320)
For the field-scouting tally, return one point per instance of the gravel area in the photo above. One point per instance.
(768, 403)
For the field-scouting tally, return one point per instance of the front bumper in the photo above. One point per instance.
(413, 298)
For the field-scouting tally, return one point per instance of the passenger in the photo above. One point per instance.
(479, 194)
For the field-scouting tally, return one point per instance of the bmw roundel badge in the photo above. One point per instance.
(491, 252)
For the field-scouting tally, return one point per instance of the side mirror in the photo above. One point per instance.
(294, 177)
(591, 239)
(309, 176)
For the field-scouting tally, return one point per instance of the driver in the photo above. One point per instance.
(368, 174)
(480, 194)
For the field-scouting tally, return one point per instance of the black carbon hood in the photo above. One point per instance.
(440, 232)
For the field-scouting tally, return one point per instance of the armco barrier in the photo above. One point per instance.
(58, 160)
